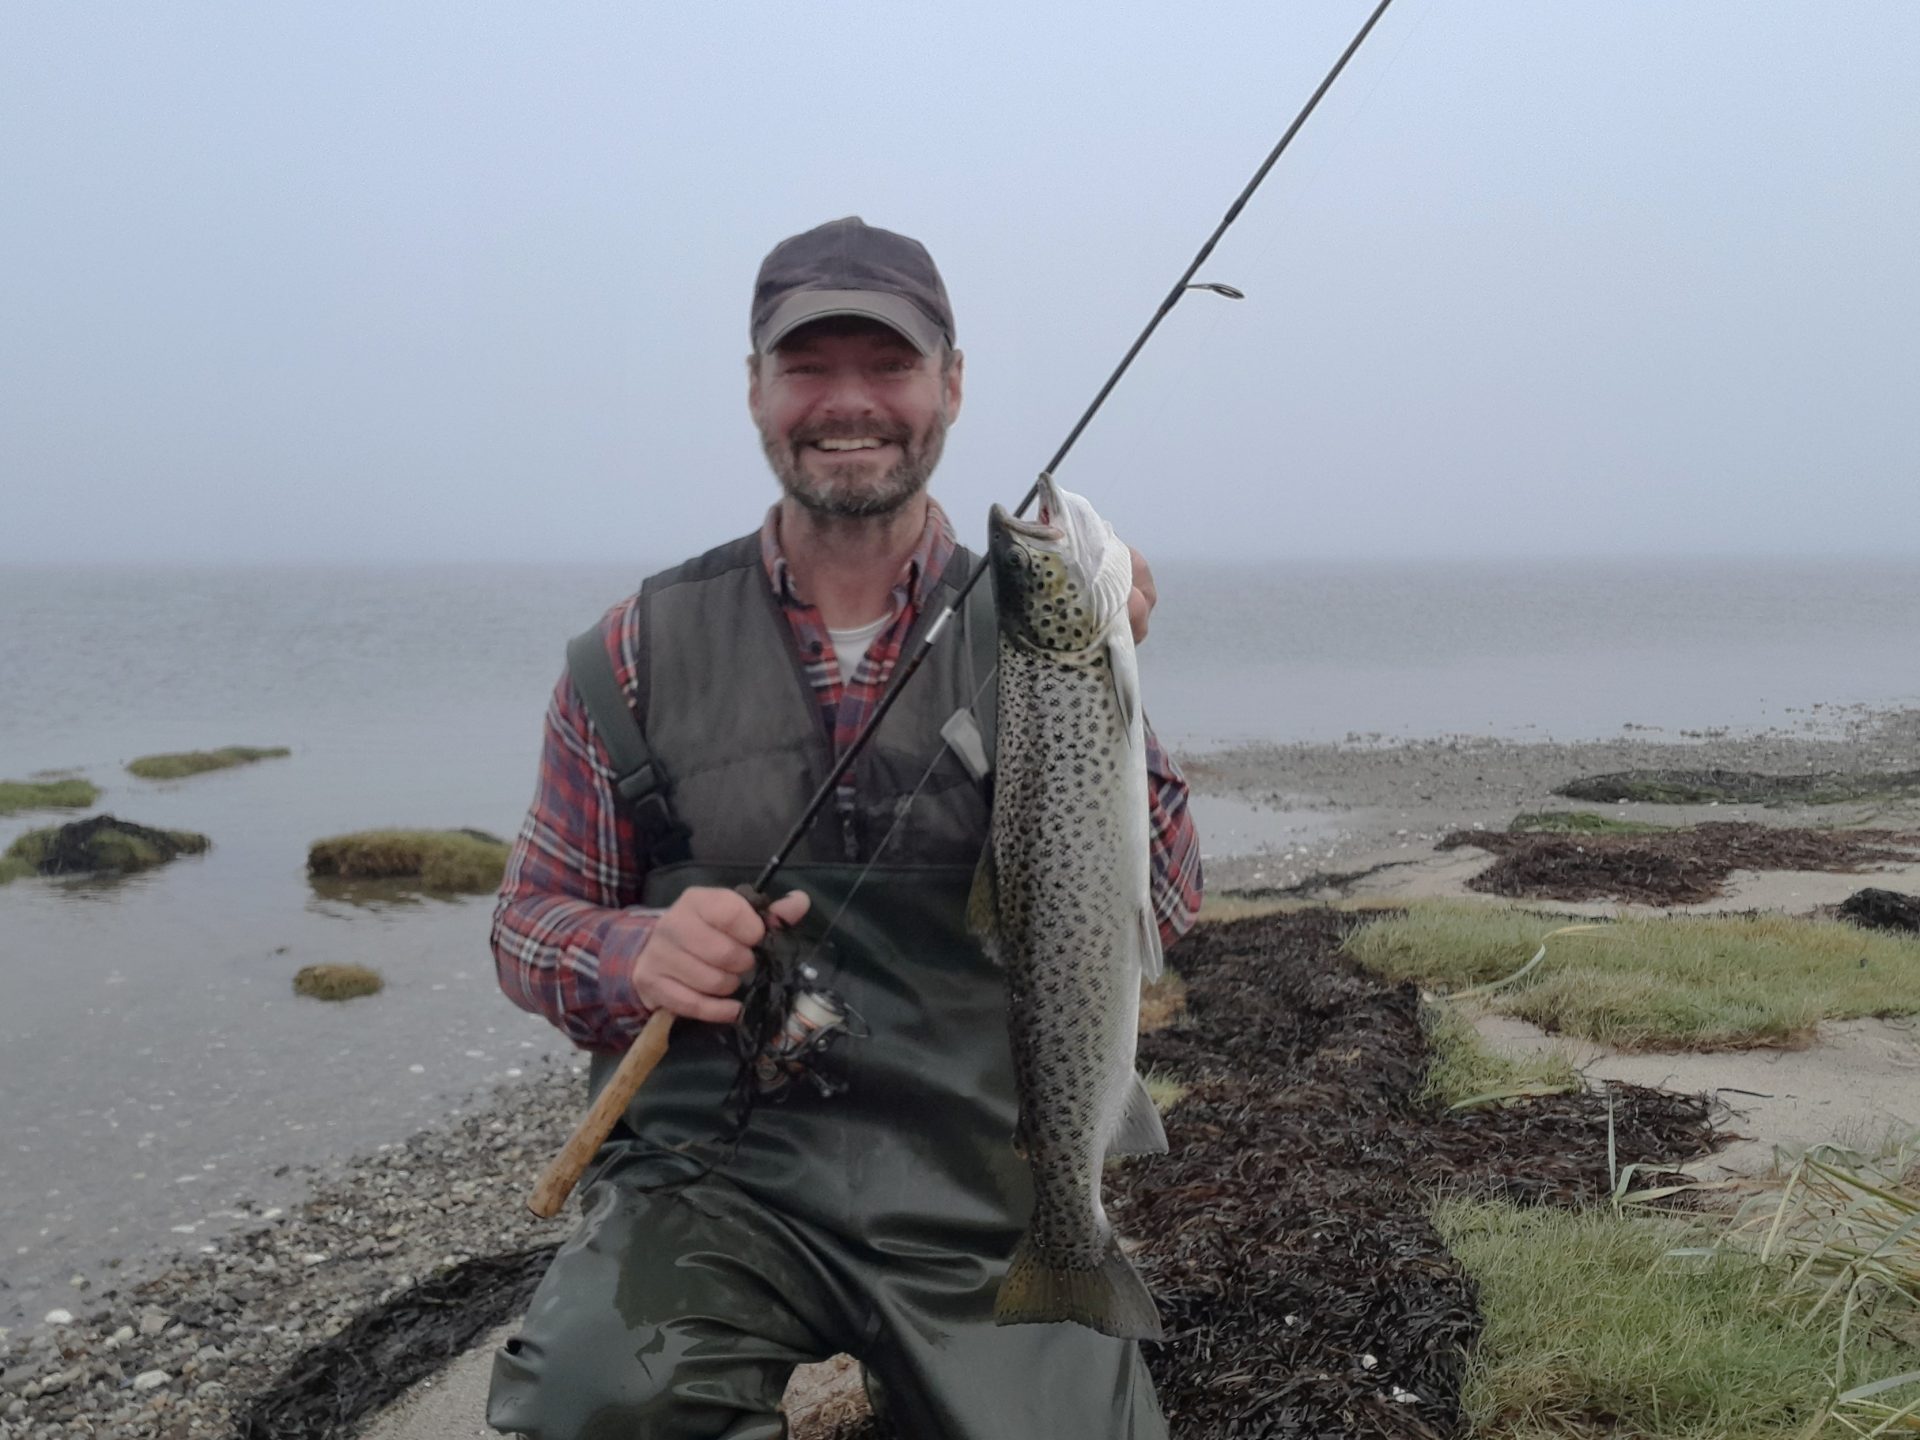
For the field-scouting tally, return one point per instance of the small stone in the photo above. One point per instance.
(59, 1317)
(210, 1390)
(150, 1379)
(152, 1322)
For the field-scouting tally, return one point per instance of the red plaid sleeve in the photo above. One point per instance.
(568, 923)
(1175, 857)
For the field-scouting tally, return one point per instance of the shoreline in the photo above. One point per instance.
(171, 1346)
(1330, 809)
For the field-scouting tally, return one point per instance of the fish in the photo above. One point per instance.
(1062, 901)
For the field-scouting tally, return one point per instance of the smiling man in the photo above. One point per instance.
(874, 1212)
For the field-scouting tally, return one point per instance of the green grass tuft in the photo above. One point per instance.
(1577, 822)
(337, 982)
(462, 861)
(18, 795)
(1594, 1327)
(1685, 982)
(1463, 1070)
(197, 762)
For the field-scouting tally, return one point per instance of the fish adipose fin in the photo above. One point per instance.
(983, 906)
(1112, 1299)
(1138, 1131)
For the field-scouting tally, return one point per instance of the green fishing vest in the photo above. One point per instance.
(731, 745)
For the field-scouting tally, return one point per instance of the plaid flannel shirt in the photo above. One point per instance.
(569, 924)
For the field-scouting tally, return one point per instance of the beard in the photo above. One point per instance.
(850, 491)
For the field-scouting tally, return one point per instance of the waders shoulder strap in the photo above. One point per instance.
(638, 776)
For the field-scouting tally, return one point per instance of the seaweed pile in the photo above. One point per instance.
(1882, 910)
(1673, 867)
(1742, 787)
(103, 843)
(332, 1386)
(1285, 1235)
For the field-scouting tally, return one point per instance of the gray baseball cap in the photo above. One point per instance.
(848, 267)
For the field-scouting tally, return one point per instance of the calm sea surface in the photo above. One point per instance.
(159, 1075)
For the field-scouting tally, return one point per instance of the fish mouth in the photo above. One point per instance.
(999, 521)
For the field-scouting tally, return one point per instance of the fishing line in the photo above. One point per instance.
(1180, 287)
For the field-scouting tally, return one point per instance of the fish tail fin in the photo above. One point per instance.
(1111, 1298)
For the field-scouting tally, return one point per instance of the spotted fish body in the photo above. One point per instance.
(1063, 901)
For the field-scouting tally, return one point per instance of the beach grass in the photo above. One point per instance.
(1464, 1074)
(1674, 983)
(18, 795)
(462, 861)
(336, 982)
(1622, 1323)
(182, 763)
(1577, 822)
(1166, 1091)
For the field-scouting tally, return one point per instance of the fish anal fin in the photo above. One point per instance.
(1153, 958)
(1138, 1131)
(1110, 1298)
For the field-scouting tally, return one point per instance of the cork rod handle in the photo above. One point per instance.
(591, 1133)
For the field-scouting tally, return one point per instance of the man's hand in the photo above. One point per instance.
(701, 950)
(1141, 602)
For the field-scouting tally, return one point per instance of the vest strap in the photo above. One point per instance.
(640, 779)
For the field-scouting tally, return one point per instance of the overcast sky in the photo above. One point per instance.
(470, 281)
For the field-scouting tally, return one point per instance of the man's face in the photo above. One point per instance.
(851, 416)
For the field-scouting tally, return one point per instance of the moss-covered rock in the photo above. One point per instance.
(464, 861)
(336, 982)
(101, 843)
(197, 762)
(18, 795)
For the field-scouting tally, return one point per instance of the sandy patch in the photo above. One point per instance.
(1858, 1084)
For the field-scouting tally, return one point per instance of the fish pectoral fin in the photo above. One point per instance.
(1138, 1131)
(1153, 958)
(983, 906)
(1110, 1298)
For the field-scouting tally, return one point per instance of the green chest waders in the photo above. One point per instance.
(877, 1221)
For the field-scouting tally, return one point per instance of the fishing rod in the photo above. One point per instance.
(557, 1182)
(1180, 288)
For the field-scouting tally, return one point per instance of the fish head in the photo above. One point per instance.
(1060, 579)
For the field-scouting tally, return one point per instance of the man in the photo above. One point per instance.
(877, 1219)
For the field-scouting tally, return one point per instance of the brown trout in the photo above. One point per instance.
(1062, 901)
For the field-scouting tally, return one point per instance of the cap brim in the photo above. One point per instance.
(894, 311)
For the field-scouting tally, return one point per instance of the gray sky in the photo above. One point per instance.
(469, 281)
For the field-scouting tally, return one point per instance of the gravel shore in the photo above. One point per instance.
(179, 1353)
